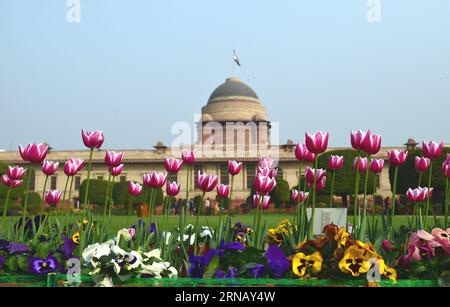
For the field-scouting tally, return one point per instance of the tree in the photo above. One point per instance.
(281, 194)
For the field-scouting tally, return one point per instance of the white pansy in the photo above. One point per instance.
(156, 253)
(206, 232)
(89, 252)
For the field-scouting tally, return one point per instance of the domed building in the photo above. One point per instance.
(234, 115)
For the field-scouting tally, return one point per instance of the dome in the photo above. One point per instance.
(233, 101)
(233, 87)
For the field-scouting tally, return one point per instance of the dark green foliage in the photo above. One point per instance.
(281, 194)
(345, 178)
(408, 176)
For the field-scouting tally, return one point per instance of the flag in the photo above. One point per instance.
(236, 58)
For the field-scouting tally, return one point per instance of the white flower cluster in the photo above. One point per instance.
(108, 259)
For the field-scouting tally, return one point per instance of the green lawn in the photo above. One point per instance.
(119, 222)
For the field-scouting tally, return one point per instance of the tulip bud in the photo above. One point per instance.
(432, 150)
(172, 188)
(116, 171)
(49, 168)
(387, 245)
(135, 189)
(223, 190)
(173, 165)
(303, 154)
(52, 197)
(34, 153)
(15, 172)
(317, 143)
(336, 162)
(93, 139)
(234, 167)
(360, 164)
(113, 159)
(376, 166)
(422, 164)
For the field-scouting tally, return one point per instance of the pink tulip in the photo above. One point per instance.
(113, 159)
(303, 154)
(52, 197)
(446, 169)
(309, 175)
(320, 184)
(9, 182)
(271, 172)
(34, 153)
(49, 168)
(264, 203)
(419, 194)
(154, 180)
(432, 150)
(336, 162)
(223, 190)
(299, 197)
(317, 142)
(266, 162)
(447, 160)
(360, 164)
(234, 167)
(116, 171)
(422, 164)
(206, 182)
(397, 157)
(73, 166)
(135, 189)
(172, 188)
(15, 172)
(173, 165)
(188, 156)
(370, 143)
(356, 138)
(264, 184)
(376, 166)
(93, 139)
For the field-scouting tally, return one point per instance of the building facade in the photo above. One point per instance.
(234, 125)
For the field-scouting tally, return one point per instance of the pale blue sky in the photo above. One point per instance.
(133, 68)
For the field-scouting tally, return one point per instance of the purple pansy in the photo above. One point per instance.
(68, 246)
(42, 266)
(197, 264)
(232, 273)
(16, 248)
(277, 261)
(257, 271)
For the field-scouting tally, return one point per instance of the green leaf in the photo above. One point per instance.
(22, 262)
(12, 263)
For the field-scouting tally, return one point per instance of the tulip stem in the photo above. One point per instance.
(25, 203)
(393, 199)
(86, 194)
(313, 207)
(355, 196)
(65, 189)
(427, 207)
(5, 209)
(70, 192)
(196, 223)
(298, 200)
(362, 231)
(332, 188)
(110, 201)
(106, 199)
(43, 201)
(446, 203)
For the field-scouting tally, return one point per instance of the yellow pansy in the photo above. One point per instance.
(301, 262)
(76, 237)
(386, 270)
(368, 250)
(342, 237)
(354, 261)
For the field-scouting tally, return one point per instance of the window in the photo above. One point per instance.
(53, 182)
(100, 177)
(123, 178)
(251, 172)
(77, 182)
(224, 175)
(197, 168)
